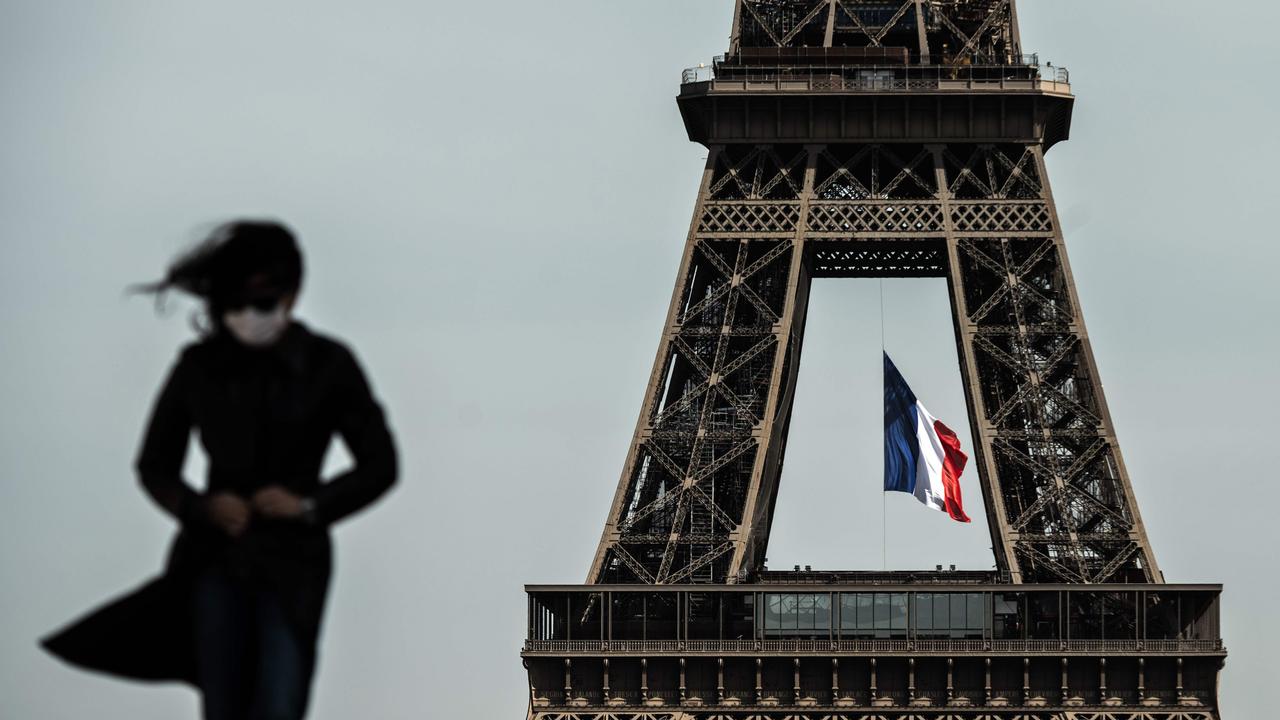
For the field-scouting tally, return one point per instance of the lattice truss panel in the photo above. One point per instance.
(703, 467)
(955, 31)
(693, 471)
(876, 190)
(992, 172)
(871, 715)
(760, 172)
(1065, 500)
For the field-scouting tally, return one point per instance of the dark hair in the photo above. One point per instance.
(219, 266)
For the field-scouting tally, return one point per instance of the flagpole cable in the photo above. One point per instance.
(882, 345)
(884, 495)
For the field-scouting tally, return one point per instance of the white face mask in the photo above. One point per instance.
(257, 328)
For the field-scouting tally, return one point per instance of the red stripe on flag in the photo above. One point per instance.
(952, 466)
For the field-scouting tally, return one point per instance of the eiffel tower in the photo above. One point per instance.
(859, 138)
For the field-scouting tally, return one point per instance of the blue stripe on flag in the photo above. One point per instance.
(901, 447)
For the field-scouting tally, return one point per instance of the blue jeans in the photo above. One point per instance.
(249, 663)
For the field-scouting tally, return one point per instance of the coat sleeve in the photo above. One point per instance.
(164, 448)
(362, 425)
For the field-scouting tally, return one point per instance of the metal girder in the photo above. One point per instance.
(875, 35)
(997, 20)
(969, 30)
(806, 10)
(848, 176)
(696, 497)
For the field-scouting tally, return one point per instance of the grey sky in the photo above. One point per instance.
(493, 198)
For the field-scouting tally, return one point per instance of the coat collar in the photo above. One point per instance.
(291, 347)
(289, 352)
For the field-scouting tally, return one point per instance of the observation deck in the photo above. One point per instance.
(954, 640)
(872, 94)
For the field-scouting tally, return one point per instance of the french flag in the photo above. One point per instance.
(921, 455)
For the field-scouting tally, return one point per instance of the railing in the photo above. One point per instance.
(931, 697)
(877, 78)
(873, 646)
(701, 73)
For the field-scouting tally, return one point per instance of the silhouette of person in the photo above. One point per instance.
(237, 611)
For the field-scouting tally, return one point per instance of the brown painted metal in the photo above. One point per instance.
(860, 138)
(908, 191)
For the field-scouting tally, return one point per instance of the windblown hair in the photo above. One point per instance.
(220, 265)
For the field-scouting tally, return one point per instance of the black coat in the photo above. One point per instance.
(264, 417)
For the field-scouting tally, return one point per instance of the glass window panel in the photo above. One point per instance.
(738, 615)
(1162, 616)
(1084, 619)
(898, 611)
(805, 612)
(865, 615)
(1197, 619)
(822, 612)
(941, 611)
(773, 612)
(586, 616)
(1119, 616)
(848, 611)
(924, 611)
(882, 611)
(1006, 604)
(958, 616)
(702, 615)
(1008, 616)
(660, 616)
(628, 616)
(1043, 615)
(977, 603)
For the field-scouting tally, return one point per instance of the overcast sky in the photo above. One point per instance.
(493, 199)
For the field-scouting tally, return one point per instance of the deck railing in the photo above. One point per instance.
(594, 647)
(878, 78)
(864, 698)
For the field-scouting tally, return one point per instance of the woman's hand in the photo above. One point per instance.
(276, 502)
(229, 513)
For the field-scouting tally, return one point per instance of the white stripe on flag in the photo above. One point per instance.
(929, 487)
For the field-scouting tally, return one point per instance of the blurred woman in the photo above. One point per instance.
(238, 609)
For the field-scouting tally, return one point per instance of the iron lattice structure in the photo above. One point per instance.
(873, 138)
(958, 190)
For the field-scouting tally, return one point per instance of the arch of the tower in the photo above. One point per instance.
(696, 498)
